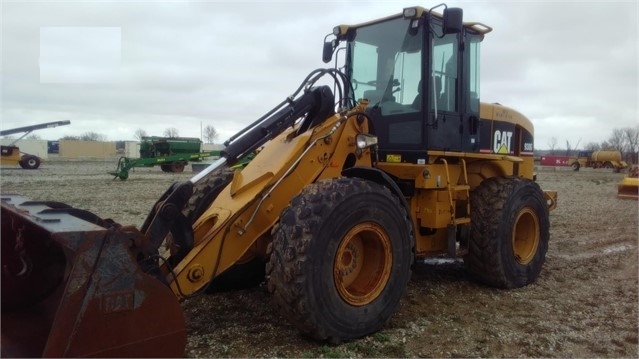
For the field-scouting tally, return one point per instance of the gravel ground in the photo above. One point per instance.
(583, 305)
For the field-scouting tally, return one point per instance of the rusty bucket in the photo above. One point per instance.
(71, 287)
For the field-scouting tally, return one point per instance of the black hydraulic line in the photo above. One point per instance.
(254, 136)
(308, 82)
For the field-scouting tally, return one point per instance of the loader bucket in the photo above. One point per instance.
(71, 287)
(628, 188)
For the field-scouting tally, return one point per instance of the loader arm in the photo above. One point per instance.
(314, 105)
(250, 205)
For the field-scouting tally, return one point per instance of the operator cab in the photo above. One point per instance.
(420, 72)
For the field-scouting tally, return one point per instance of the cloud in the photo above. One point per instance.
(80, 54)
(569, 66)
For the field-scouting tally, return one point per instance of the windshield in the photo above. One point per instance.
(386, 66)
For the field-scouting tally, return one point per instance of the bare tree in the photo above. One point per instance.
(632, 144)
(139, 133)
(171, 132)
(552, 145)
(210, 134)
(632, 138)
(616, 140)
(568, 148)
(70, 138)
(592, 146)
(92, 136)
(33, 136)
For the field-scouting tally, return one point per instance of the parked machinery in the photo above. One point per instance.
(629, 186)
(11, 154)
(347, 192)
(598, 159)
(172, 154)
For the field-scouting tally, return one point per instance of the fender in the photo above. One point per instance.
(380, 177)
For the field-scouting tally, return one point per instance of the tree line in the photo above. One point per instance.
(209, 134)
(624, 140)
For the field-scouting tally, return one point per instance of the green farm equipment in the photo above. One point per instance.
(153, 146)
(170, 153)
(173, 163)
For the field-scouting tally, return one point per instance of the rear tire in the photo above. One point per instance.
(341, 258)
(575, 166)
(205, 192)
(29, 162)
(509, 232)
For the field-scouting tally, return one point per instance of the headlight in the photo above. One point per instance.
(414, 12)
(365, 140)
(410, 12)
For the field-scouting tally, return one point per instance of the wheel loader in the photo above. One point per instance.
(350, 186)
(11, 154)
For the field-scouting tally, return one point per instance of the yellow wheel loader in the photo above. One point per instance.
(352, 185)
(11, 154)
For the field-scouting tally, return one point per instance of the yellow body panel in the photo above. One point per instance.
(494, 111)
(629, 186)
(11, 156)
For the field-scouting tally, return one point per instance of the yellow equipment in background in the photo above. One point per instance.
(629, 186)
(598, 159)
(11, 154)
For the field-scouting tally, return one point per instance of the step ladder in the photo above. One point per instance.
(458, 197)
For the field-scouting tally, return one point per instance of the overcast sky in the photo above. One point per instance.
(112, 67)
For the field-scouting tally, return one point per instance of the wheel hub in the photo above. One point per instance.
(525, 239)
(363, 263)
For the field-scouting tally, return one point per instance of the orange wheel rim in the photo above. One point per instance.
(363, 264)
(525, 238)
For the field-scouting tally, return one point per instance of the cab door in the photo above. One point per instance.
(470, 94)
(454, 83)
(445, 100)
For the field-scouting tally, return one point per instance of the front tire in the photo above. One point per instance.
(245, 274)
(205, 192)
(341, 258)
(509, 232)
(29, 162)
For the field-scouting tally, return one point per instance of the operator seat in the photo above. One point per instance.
(417, 102)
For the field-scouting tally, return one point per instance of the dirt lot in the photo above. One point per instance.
(583, 305)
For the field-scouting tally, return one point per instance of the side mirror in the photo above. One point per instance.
(327, 51)
(453, 20)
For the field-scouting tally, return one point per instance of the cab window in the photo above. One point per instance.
(387, 67)
(444, 74)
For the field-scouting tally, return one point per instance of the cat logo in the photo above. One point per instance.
(501, 141)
